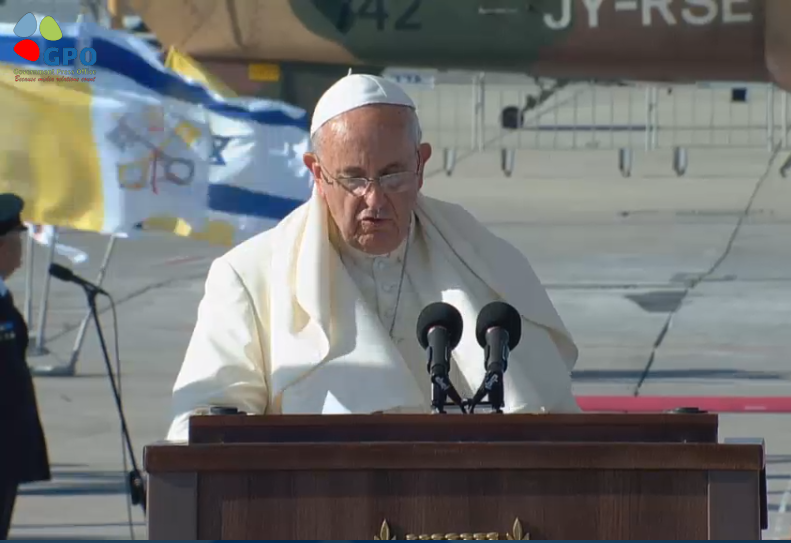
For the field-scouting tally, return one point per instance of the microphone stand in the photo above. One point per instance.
(438, 369)
(137, 487)
(495, 364)
(441, 388)
(439, 399)
(492, 386)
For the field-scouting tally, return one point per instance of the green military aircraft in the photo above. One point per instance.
(294, 49)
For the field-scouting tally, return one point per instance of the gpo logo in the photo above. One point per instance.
(49, 29)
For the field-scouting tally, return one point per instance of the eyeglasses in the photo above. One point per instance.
(392, 183)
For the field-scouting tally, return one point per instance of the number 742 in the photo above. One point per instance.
(376, 10)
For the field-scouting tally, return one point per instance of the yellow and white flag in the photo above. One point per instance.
(140, 144)
(215, 231)
(91, 149)
(256, 173)
(103, 159)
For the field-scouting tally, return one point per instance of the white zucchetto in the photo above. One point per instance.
(357, 90)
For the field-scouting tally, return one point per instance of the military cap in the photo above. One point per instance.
(10, 213)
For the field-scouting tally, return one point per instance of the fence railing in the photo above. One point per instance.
(478, 114)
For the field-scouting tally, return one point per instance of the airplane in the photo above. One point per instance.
(294, 50)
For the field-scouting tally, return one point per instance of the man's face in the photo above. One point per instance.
(10, 253)
(370, 142)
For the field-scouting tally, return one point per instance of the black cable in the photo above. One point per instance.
(119, 384)
(743, 216)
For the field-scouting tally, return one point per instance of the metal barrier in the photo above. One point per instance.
(484, 113)
(478, 112)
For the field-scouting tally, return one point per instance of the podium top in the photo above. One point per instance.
(658, 428)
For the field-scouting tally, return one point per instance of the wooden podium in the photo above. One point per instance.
(485, 476)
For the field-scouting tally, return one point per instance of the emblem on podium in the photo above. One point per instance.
(517, 533)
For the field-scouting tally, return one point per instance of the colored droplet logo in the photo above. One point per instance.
(26, 27)
(27, 49)
(49, 29)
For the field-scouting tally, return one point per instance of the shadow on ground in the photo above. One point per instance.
(78, 483)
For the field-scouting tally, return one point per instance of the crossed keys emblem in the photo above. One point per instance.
(159, 162)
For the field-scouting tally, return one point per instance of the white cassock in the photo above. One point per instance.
(294, 316)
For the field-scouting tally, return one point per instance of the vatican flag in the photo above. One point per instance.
(256, 173)
(216, 230)
(125, 141)
(91, 149)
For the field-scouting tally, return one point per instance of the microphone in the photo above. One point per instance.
(498, 331)
(65, 274)
(439, 328)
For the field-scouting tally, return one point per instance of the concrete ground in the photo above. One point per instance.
(617, 255)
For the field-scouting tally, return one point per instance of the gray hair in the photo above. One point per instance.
(317, 139)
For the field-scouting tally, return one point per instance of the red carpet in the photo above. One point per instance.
(713, 404)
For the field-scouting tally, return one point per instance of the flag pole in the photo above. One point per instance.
(38, 348)
(114, 11)
(71, 368)
(116, 22)
(29, 255)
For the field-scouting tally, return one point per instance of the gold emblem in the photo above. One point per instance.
(517, 533)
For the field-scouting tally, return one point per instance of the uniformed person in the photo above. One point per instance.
(23, 453)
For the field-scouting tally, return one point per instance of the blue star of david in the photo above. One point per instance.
(219, 143)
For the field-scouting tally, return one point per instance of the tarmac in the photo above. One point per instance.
(671, 286)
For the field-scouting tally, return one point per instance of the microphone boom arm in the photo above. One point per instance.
(136, 482)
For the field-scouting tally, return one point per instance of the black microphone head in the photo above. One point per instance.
(440, 314)
(502, 315)
(61, 272)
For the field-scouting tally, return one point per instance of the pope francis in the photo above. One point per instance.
(318, 314)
